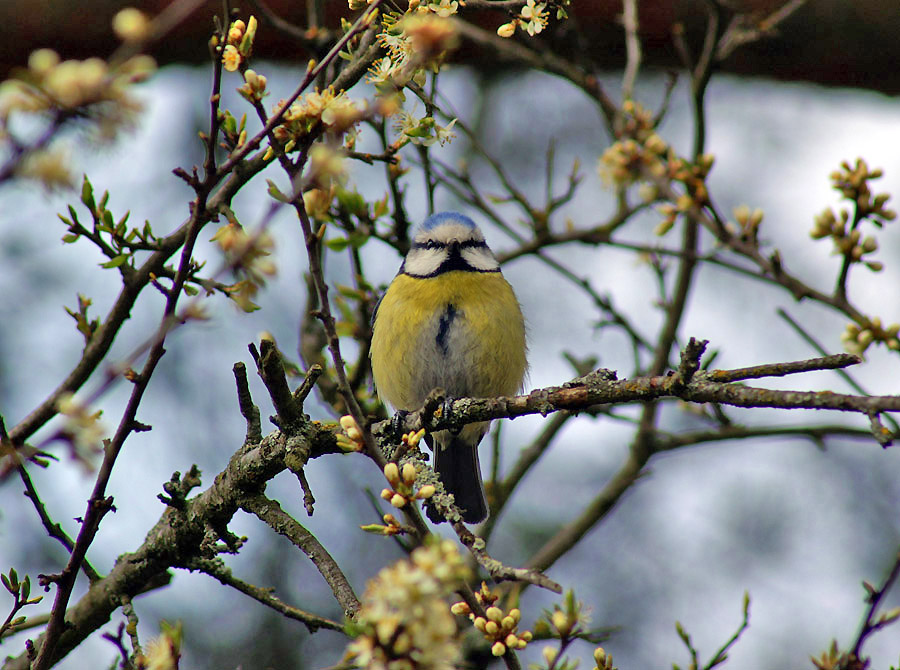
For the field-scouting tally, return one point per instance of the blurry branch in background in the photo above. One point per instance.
(311, 136)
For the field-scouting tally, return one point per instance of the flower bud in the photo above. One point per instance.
(409, 473)
(392, 473)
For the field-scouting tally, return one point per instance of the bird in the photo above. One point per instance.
(450, 320)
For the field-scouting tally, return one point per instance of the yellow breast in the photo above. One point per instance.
(462, 331)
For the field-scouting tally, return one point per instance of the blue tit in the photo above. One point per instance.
(450, 320)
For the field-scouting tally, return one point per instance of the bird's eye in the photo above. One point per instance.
(432, 244)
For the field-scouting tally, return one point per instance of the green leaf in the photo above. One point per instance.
(350, 292)
(352, 201)
(87, 194)
(229, 125)
(344, 328)
(381, 207)
(122, 221)
(337, 243)
(358, 238)
(115, 261)
(25, 588)
(190, 290)
(107, 218)
(276, 193)
(71, 237)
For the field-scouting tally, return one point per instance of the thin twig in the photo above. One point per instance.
(270, 512)
(632, 47)
(833, 362)
(215, 567)
(875, 596)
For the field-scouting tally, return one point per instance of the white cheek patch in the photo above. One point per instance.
(423, 262)
(481, 259)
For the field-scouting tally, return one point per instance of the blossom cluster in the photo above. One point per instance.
(499, 628)
(402, 490)
(642, 155)
(848, 241)
(857, 338)
(248, 255)
(82, 428)
(532, 18)
(91, 89)
(853, 184)
(404, 622)
(414, 43)
(239, 43)
(50, 83)
(748, 222)
(333, 110)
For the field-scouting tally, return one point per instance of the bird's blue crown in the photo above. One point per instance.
(436, 220)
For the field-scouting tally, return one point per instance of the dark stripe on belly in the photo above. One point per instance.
(443, 334)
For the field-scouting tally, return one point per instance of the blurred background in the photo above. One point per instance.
(797, 525)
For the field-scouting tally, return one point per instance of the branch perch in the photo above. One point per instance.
(601, 387)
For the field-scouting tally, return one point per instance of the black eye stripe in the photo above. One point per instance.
(434, 244)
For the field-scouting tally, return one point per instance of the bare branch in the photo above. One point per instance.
(215, 567)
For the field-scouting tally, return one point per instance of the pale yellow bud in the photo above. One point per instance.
(42, 61)
(494, 614)
(392, 473)
(656, 144)
(865, 338)
(491, 628)
(549, 653)
(398, 501)
(409, 473)
(425, 492)
(498, 649)
(460, 609)
(506, 30)
(684, 202)
(561, 622)
(131, 25)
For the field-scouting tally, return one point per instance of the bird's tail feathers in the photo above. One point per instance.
(456, 463)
